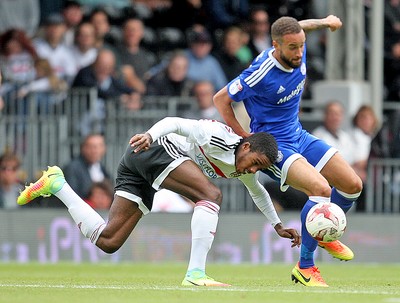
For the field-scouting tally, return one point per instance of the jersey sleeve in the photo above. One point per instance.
(170, 125)
(207, 130)
(199, 132)
(238, 90)
(260, 197)
(251, 82)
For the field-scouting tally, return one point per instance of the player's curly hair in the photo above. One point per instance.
(284, 26)
(263, 143)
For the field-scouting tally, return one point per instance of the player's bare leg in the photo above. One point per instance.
(123, 217)
(124, 214)
(341, 175)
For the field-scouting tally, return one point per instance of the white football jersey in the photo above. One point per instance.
(211, 145)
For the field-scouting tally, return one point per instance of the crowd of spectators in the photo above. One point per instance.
(219, 38)
(141, 34)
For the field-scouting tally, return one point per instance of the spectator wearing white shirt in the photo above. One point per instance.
(84, 49)
(365, 126)
(52, 48)
(46, 81)
(17, 56)
(333, 134)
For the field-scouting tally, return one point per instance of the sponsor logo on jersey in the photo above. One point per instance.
(207, 169)
(281, 90)
(293, 93)
(280, 157)
(235, 87)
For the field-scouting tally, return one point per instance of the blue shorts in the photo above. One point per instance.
(307, 146)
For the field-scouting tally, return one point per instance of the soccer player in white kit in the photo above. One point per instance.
(271, 91)
(181, 155)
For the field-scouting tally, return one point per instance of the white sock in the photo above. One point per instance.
(204, 226)
(88, 220)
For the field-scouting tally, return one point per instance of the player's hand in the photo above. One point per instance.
(141, 142)
(333, 22)
(289, 233)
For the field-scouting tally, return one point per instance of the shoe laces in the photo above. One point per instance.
(316, 274)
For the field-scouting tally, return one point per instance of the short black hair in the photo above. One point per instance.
(71, 3)
(263, 143)
(284, 26)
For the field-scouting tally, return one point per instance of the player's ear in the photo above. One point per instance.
(246, 146)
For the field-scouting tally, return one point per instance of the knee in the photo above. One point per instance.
(355, 186)
(213, 194)
(109, 246)
(319, 188)
(325, 191)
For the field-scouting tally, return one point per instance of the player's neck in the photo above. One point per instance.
(281, 62)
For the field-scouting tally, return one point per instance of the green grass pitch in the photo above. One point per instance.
(130, 282)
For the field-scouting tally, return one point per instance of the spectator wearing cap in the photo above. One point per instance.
(73, 15)
(202, 65)
(51, 47)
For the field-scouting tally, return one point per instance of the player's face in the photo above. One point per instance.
(249, 162)
(289, 50)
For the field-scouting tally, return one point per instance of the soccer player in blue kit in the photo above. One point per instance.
(271, 89)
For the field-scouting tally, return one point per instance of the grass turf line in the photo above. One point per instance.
(130, 282)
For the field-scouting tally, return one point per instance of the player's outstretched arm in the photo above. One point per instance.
(289, 233)
(168, 125)
(222, 102)
(263, 201)
(332, 22)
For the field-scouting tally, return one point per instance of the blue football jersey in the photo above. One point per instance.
(271, 94)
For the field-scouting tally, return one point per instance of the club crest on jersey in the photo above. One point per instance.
(303, 69)
(234, 175)
(280, 157)
(235, 87)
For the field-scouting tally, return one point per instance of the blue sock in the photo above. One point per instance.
(345, 203)
(308, 243)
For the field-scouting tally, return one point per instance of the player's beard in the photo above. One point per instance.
(289, 62)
